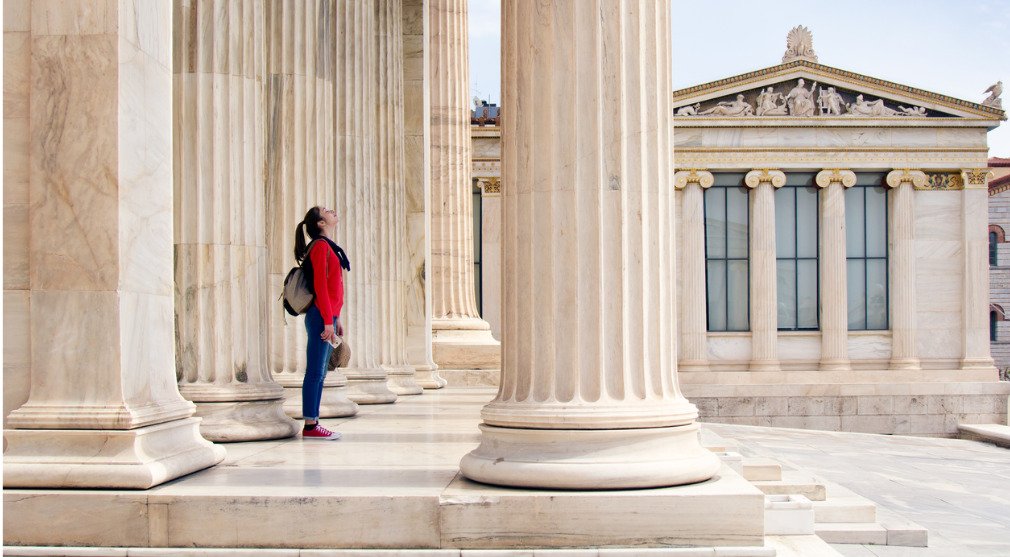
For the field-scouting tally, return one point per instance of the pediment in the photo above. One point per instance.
(826, 92)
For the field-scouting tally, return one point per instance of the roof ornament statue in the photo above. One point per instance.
(799, 45)
(993, 100)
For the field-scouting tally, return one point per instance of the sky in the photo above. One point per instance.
(953, 47)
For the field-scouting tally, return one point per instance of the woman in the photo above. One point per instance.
(323, 260)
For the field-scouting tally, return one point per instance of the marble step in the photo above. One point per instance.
(861, 534)
(996, 434)
(793, 482)
(901, 531)
(790, 548)
(800, 546)
(761, 469)
(844, 510)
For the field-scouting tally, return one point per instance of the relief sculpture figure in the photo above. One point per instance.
(830, 102)
(866, 108)
(768, 103)
(800, 100)
(739, 107)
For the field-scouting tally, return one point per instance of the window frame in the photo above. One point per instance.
(794, 182)
(723, 182)
(866, 181)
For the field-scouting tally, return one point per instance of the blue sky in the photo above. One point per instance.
(953, 47)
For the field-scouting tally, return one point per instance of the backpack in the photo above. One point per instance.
(298, 293)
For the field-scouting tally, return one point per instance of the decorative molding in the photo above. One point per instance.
(814, 158)
(490, 186)
(976, 178)
(682, 178)
(759, 176)
(682, 95)
(942, 181)
(825, 178)
(900, 176)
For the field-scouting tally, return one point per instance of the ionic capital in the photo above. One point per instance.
(760, 176)
(904, 175)
(693, 176)
(490, 185)
(976, 178)
(825, 178)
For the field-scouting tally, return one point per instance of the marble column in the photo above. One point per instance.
(901, 266)
(693, 349)
(763, 269)
(975, 309)
(104, 409)
(417, 159)
(220, 235)
(460, 338)
(589, 397)
(834, 288)
(356, 106)
(392, 198)
(300, 173)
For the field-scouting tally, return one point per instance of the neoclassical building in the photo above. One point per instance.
(831, 249)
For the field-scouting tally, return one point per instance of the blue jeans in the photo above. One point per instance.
(317, 352)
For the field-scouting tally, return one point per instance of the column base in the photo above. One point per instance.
(428, 378)
(464, 344)
(333, 404)
(119, 459)
(590, 459)
(905, 363)
(401, 381)
(978, 364)
(765, 365)
(369, 387)
(692, 365)
(835, 365)
(261, 420)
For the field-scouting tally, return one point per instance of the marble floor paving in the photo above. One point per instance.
(958, 489)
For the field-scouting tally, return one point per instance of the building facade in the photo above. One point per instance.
(999, 263)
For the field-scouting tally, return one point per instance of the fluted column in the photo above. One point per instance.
(220, 270)
(460, 338)
(417, 134)
(901, 266)
(834, 293)
(299, 172)
(392, 199)
(975, 310)
(693, 349)
(589, 396)
(356, 106)
(104, 409)
(763, 274)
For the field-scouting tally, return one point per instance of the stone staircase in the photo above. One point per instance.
(796, 501)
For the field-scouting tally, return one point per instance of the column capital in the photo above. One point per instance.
(703, 178)
(759, 176)
(906, 175)
(489, 185)
(828, 176)
(976, 178)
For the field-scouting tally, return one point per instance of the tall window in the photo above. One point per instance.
(993, 318)
(993, 242)
(727, 269)
(477, 251)
(866, 253)
(796, 242)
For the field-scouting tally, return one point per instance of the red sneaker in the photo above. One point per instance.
(320, 432)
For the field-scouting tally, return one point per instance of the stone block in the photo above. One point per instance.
(788, 515)
(875, 405)
(868, 424)
(771, 406)
(736, 406)
(863, 534)
(915, 404)
(85, 518)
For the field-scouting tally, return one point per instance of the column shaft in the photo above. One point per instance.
(355, 106)
(417, 132)
(693, 349)
(834, 294)
(104, 409)
(461, 339)
(902, 267)
(392, 199)
(588, 257)
(220, 247)
(763, 275)
(300, 171)
(975, 311)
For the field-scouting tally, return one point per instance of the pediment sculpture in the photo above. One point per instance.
(802, 100)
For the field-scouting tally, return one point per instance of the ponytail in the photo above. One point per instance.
(309, 224)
